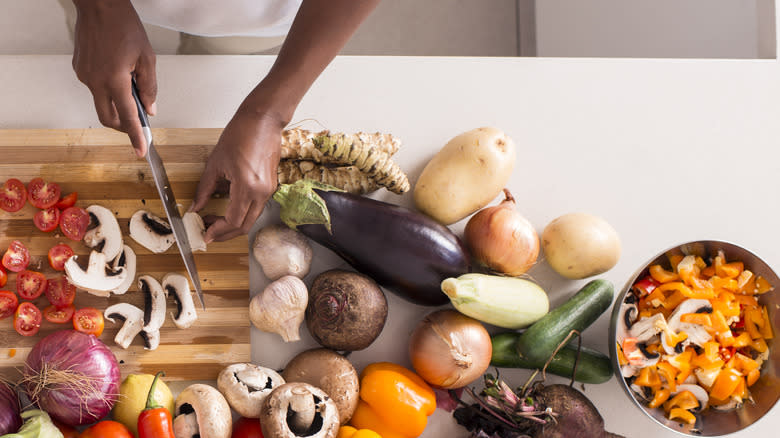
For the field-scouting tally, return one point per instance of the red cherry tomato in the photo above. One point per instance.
(107, 429)
(27, 319)
(58, 255)
(43, 194)
(74, 222)
(13, 195)
(247, 428)
(60, 292)
(88, 320)
(47, 220)
(30, 284)
(8, 303)
(67, 201)
(16, 258)
(59, 315)
(3, 277)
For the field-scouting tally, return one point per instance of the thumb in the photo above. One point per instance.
(146, 79)
(206, 187)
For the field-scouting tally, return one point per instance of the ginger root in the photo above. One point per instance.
(298, 144)
(347, 178)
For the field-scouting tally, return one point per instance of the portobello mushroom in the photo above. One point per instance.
(105, 234)
(133, 319)
(202, 412)
(151, 232)
(178, 286)
(299, 410)
(95, 279)
(246, 385)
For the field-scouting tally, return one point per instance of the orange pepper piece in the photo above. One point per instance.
(729, 270)
(762, 286)
(668, 372)
(752, 377)
(729, 284)
(759, 345)
(766, 329)
(661, 275)
(742, 340)
(683, 400)
(682, 415)
(697, 318)
(648, 376)
(659, 398)
(746, 282)
(351, 432)
(725, 383)
(708, 272)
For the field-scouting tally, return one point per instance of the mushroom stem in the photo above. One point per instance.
(303, 409)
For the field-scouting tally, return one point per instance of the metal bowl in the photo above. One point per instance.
(765, 392)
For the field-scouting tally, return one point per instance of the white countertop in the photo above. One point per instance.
(665, 150)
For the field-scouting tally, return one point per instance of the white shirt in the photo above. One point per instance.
(262, 18)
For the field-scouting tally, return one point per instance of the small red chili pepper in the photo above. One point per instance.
(155, 421)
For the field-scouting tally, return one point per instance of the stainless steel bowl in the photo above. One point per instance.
(765, 392)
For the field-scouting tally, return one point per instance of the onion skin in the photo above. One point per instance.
(501, 239)
(10, 420)
(80, 353)
(450, 350)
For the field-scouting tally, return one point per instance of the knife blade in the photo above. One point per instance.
(168, 199)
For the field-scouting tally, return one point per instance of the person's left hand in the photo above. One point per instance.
(247, 155)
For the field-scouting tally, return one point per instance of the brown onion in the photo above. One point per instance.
(501, 239)
(449, 349)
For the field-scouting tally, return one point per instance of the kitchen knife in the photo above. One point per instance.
(168, 199)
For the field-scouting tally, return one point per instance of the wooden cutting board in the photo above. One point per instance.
(100, 165)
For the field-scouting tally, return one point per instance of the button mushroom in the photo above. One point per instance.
(202, 412)
(178, 286)
(697, 334)
(133, 318)
(331, 372)
(105, 235)
(126, 260)
(195, 229)
(246, 385)
(154, 310)
(96, 279)
(151, 232)
(299, 410)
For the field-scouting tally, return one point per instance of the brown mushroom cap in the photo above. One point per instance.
(331, 372)
(246, 385)
(211, 410)
(292, 402)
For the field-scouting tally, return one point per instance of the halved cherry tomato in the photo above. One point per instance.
(8, 303)
(16, 258)
(60, 292)
(30, 284)
(67, 201)
(58, 255)
(43, 194)
(88, 320)
(27, 319)
(3, 277)
(47, 220)
(59, 315)
(13, 195)
(74, 222)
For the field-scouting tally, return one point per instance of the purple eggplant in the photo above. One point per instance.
(407, 252)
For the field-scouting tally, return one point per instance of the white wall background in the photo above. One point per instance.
(656, 28)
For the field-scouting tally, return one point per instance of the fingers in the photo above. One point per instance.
(224, 229)
(146, 78)
(127, 112)
(206, 187)
(105, 109)
(220, 231)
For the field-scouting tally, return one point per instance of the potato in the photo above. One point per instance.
(465, 175)
(580, 245)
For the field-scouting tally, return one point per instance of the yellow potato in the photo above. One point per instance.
(465, 175)
(580, 245)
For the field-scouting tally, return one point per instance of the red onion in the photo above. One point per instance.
(10, 421)
(72, 376)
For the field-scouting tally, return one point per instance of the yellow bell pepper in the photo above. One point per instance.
(661, 275)
(682, 415)
(725, 383)
(660, 396)
(648, 376)
(762, 285)
(351, 432)
(394, 401)
(683, 400)
(766, 329)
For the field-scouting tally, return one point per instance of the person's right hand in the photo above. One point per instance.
(110, 47)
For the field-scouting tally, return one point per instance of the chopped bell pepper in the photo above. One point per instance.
(752, 318)
(661, 275)
(729, 270)
(659, 398)
(668, 372)
(697, 318)
(674, 256)
(729, 284)
(725, 383)
(682, 415)
(351, 432)
(742, 340)
(644, 286)
(762, 285)
(759, 345)
(648, 376)
(752, 377)
(746, 282)
(719, 322)
(394, 401)
(683, 400)
(766, 329)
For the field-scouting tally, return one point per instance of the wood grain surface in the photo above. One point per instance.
(100, 165)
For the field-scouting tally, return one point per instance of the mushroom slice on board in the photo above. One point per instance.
(151, 232)
(151, 339)
(178, 286)
(133, 318)
(298, 410)
(154, 310)
(95, 279)
(201, 411)
(125, 260)
(193, 225)
(105, 235)
(246, 385)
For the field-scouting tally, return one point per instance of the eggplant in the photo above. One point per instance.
(407, 252)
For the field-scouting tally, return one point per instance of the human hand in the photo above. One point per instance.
(110, 46)
(247, 155)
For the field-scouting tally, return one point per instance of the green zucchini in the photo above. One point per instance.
(592, 366)
(540, 340)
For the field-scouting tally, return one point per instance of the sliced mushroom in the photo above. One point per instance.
(697, 391)
(95, 280)
(178, 286)
(133, 318)
(201, 411)
(105, 235)
(298, 410)
(647, 327)
(246, 385)
(154, 310)
(193, 225)
(151, 232)
(151, 339)
(126, 260)
(697, 334)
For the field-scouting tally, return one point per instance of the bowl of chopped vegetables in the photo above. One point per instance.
(691, 338)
